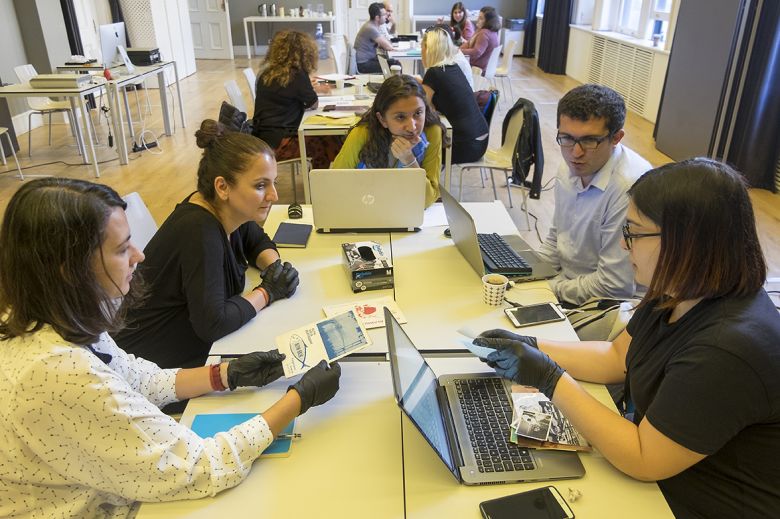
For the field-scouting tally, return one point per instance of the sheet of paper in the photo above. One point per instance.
(329, 339)
(434, 216)
(332, 100)
(371, 312)
(480, 351)
(334, 77)
(337, 115)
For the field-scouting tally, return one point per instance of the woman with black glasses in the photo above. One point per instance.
(700, 357)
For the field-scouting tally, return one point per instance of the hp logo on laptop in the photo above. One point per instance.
(368, 199)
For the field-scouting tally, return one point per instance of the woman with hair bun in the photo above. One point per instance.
(196, 262)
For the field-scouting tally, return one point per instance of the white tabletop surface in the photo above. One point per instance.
(347, 464)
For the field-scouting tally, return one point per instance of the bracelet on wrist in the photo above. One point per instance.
(215, 377)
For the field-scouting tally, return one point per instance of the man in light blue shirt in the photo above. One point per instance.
(584, 242)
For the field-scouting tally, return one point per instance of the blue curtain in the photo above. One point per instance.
(554, 43)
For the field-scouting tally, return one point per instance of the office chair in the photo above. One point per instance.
(492, 65)
(251, 80)
(140, 220)
(338, 51)
(4, 131)
(235, 95)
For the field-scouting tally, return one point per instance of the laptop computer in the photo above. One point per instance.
(471, 440)
(368, 200)
(464, 234)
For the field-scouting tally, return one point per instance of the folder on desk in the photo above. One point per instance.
(208, 425)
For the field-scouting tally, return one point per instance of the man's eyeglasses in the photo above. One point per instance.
(586, 143)
(628, 236)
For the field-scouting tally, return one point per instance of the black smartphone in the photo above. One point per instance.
(540, 503)
(531, 315)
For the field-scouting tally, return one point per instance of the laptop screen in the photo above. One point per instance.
(415, 389)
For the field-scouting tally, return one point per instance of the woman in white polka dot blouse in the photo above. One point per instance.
(81, 432)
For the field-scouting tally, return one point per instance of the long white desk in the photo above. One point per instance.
(359, 457)
(347, 465)
(284, 19)
(432, 491)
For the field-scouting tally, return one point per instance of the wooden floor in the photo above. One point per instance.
(166, 174)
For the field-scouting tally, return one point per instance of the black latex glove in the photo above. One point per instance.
(318, 385)
(255, 369)
(522, 364)
(506, 337)
(280, 280)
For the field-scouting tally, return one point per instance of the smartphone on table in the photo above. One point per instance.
(532, 315)
(540, 503)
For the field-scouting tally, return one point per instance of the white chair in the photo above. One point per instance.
(480, 83)
(251, 81)
(338, 51)
(352, 59)
(4, 131)
(235, 95)
(42, 106)
(142, 225)
(492, 65)
(501, 159)
(505, 68)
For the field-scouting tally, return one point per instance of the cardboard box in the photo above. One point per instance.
(367, 266)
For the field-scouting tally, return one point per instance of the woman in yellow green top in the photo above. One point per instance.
(400, 130)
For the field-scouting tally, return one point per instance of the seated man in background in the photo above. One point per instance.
(369, 38)
(584, 241)
(388, 29)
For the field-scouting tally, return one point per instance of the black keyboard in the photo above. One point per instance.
(500, 257)
(488, 414)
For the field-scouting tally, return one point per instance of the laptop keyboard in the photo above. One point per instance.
(503, 257)
(488, 414)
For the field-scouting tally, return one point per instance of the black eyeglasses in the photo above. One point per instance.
(586, 143)
(628, 235)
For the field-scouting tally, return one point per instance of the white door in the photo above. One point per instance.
(357, 15)
(210, 21)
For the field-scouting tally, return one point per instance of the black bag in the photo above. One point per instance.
(234, 119)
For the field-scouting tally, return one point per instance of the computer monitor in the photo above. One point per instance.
(111, 36)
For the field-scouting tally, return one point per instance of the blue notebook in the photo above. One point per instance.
(208, 425)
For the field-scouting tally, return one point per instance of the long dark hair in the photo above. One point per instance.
(709, 243)
(458, 26)
(492, 22)
(375, 151)
(226, 154)
(52, 229)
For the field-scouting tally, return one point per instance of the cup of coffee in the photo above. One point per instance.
(493, 289)
(340, 83)
(395, 69)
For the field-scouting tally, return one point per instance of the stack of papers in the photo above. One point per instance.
(371, 312)
(333, 119)
(538, 423)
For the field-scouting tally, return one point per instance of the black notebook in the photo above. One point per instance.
(292, 234)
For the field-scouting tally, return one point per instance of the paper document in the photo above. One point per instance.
(332, 100)
(370, 312)
(329, 339)
(480, 351)
(334, 77)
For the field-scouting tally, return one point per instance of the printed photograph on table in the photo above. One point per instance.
(371, 312)
(329, 340)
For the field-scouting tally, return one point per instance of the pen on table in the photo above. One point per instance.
(293, 436)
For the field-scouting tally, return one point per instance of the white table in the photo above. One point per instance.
(347, 465)
(77, 104)
(324, 281)
(140, 73)
(432, 491)
(286, 19)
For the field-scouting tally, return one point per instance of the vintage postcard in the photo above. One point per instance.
(370, 311)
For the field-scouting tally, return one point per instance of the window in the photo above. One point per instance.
(643, 19)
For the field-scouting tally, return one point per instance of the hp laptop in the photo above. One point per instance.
(485, 252)
(368, 200)
(465, 418)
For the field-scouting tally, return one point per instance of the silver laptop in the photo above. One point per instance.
(444, 414)
(368, 199)
(464, 234)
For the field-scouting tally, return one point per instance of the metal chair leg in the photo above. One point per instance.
(509, 192)
(13, 152)
(493, 181)
(49, 128)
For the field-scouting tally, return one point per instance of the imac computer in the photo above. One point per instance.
(112, 36)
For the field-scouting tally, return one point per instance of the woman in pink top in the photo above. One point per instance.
(481, 45)
(460, 23)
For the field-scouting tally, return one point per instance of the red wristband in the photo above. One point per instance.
(216, 377)
(265, 295)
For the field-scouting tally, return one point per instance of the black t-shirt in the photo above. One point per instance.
(281, 107)
(711, 382)
(195, 274)
(453, 97)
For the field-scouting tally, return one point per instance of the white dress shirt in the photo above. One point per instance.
(81, 438)
(584, 239)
